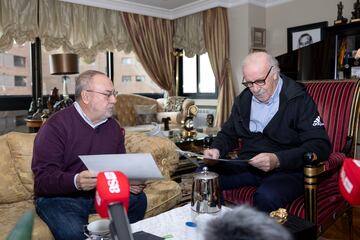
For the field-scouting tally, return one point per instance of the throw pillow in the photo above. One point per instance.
(174, 104)
(145, 114)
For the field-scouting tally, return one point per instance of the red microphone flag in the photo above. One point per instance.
(111, 187)
(349, 182)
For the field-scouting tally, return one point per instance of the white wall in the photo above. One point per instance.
(276, 20)
(238, 18)
(241, 20)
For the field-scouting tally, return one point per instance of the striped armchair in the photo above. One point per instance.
(338, 104)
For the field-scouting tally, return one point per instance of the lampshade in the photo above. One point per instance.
(64, 64)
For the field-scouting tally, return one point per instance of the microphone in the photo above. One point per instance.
(349, 181)
(112, 200)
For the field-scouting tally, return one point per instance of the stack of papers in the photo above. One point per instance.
(136, 166)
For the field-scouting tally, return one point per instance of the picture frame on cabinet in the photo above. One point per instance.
(302, 36)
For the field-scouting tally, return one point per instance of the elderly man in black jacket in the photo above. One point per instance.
(277, 123)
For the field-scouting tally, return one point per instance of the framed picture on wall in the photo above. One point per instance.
(254, 49)
(302, 36)
(258, 37)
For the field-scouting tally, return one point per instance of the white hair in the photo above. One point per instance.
(245, 223)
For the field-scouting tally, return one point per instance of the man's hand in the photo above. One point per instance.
(265, 161)
(211, 153)
(86, 180)
(137, 188)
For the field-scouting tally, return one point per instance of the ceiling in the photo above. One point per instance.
(171, 9)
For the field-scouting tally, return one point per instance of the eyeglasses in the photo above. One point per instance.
(108, 94)
(260, 82)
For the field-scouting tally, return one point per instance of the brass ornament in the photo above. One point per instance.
(280, 215)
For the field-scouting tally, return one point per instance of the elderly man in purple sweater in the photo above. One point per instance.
(64, 188)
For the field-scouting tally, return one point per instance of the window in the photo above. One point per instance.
(140, 78)
(127, 60)
(19, 61)
(14, 70)
(126, 78)
(197, 79)
(51, 81)
(20, 81)
(124, 72)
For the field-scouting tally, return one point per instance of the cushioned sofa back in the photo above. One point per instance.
(124, 107)
(16, 179)
(162, 149)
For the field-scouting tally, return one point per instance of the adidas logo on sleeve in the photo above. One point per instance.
(317, 122)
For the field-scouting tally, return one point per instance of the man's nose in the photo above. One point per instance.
(255, 88)
(112, 99)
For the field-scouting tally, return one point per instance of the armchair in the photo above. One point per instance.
(127, 105)
(322, 203)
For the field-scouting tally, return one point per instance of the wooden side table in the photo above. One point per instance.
(33, 124)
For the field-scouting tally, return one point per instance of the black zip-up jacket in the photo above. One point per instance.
(295, 129)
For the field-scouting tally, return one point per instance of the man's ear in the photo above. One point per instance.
(85, 97)
(276, 76)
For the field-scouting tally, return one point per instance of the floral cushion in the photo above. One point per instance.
(174, 104)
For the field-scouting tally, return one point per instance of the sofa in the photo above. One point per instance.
(129, 107)
(16, 178)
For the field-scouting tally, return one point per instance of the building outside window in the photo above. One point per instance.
(15, 62)
(123, 70)
(127, 60)
(126, 78)
(20, 81)
(19, 61)
(15, 70)
(140, 78)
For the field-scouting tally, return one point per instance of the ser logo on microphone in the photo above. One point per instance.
(112, 182)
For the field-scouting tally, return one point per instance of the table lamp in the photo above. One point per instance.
(64, 64)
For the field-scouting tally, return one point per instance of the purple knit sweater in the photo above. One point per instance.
(58, 144)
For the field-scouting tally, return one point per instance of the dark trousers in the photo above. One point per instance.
(274, 189)
(66, 216)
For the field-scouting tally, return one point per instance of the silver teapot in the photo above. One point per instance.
(205, 195)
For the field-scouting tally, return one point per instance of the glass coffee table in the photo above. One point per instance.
(176, 224)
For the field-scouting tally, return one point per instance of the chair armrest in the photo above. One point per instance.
(162, 150)
(311, 159)
(313, 167)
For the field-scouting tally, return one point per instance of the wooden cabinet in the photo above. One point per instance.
(331, 58)
(347, 42)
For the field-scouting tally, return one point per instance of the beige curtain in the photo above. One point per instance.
(18, 21)
(216, 32)
(189, 34)
(152, 41)
(81, 29)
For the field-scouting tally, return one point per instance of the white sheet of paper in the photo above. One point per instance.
(136, 166)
